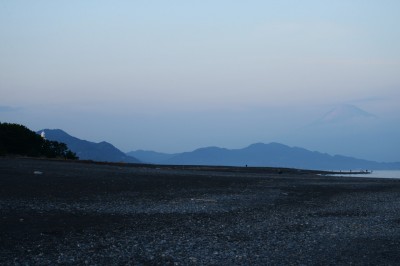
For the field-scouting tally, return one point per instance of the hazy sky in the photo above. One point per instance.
(177, 75)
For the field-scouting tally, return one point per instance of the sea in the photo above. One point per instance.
(377, 174)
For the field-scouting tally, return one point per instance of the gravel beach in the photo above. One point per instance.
(77, 213)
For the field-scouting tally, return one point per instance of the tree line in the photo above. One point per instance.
(17, 139)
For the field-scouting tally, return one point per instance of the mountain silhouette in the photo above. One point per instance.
(269, 155)
(150, 156)
(87, 150)
(343, 113)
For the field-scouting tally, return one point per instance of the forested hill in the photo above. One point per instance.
(17, 139)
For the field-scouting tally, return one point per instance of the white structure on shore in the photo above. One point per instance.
(43, 135)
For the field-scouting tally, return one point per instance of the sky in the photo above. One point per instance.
(173, 76)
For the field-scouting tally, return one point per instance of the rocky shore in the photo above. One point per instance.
(61, 212)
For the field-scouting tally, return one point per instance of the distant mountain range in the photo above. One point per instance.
(151, 156)
(87, 150)
(260, 154)
(344, 113)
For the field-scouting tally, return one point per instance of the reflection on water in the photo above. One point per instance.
(377, 174)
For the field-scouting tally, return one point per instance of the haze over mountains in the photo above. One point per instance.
(258, 154)
(357, 130)
(344, 113)
(341, 126)
(87, 150)
(350, 130)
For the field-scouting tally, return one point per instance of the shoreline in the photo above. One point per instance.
(218, 168)
(379, 174)
(87, 213)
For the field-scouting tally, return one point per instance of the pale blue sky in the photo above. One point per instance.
(176, 75)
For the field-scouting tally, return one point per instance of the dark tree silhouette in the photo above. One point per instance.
(19, 140)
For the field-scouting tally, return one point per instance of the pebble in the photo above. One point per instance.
(316, 222)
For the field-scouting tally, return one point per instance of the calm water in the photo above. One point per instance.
(379, 174)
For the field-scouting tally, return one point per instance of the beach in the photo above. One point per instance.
(71, 212)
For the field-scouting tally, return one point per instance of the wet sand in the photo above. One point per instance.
(58, 212)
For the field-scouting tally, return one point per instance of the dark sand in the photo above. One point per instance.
(83, 213)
